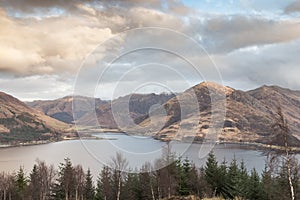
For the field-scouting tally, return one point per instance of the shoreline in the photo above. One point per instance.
(247, 145)
(65, 138)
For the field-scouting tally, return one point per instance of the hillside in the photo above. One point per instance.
(250, 116)
(61, 109)
(134, 105)
(18, 122)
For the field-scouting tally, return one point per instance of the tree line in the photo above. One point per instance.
(174, 177)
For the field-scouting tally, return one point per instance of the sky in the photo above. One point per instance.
(51, 49)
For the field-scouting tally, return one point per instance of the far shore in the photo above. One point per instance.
(88, 135)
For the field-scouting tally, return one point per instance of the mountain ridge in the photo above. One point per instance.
(249, 114)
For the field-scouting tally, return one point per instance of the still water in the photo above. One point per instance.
(137, 150)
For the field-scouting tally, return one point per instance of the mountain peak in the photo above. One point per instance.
(215, 87)
(7, 98)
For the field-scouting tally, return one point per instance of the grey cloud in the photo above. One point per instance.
(293, 7)
(56, 44)
(246, 48)
(226, 33)
(71, 6)
(271, 64)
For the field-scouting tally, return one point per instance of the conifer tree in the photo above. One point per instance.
(243, 180)
(104, 190)
(184, 172)
(89, 189)
(20, 184)
(34, 183)
(255, 189)
(132, 187)
(211, 170)
(233, 177)
(65, 187)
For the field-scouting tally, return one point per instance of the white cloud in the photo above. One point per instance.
(44, 52)
(37, 87)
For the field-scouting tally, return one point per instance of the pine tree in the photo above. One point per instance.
(34, 183)
(65, 187)
(243, 180)
(268, 184)
(132, 188)
(184, 173)
(233, 177)
(211, 171)
(216, 177)
(255, 189)
(225, 189)
(89, 189)
(20, 184)
(104, 189)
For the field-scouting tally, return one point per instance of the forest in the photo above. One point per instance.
(174, 177)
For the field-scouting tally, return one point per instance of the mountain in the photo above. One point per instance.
(250, 116)
(93, 112)
(61, 109)
(134, 105)
(19, 122)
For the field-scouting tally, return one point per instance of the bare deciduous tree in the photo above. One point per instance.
(282, 127)
(41, 179)
(6, 184)
(79, 178)
(119, 164)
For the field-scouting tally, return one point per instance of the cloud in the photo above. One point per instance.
(34, 5)
(141, 17)
(52, 45)
(79, 6)
(47, 46)
(293, 7)
(48, 40)
(36, 87)
(227, 33)
(270, 64)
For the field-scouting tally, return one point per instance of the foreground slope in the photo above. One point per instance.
(20, 123)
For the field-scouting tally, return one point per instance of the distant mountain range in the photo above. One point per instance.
(250, 115)
(61, 109)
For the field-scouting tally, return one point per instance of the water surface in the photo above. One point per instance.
(137, 150)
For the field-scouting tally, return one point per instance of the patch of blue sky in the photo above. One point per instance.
(239, 6)
(37, 13)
